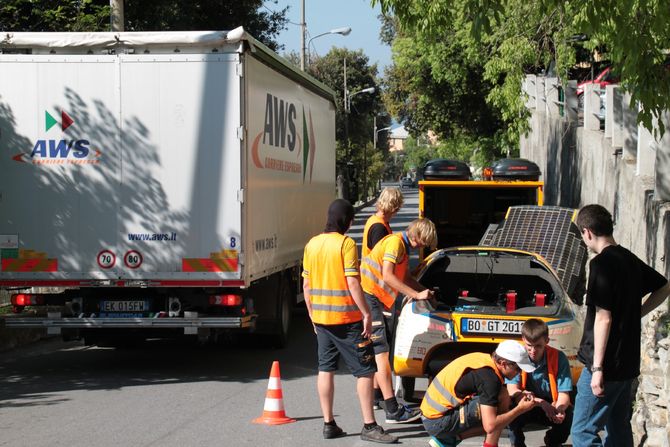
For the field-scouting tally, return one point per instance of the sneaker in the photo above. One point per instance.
(332, 431)
(377, 434)
(377, 404)
(434, 442)
(404, 415)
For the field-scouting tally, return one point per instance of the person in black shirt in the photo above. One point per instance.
(610, 346)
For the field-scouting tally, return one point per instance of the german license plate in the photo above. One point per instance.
(125, 306)
(491, 326)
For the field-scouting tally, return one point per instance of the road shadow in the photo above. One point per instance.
(32, 375)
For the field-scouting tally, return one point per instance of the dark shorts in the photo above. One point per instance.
(345, 340)
(455, 422)
(381, 332)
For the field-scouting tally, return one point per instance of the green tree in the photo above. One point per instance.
(417, 153)
(358, 125)
(54, 15)
(178, 15)
(515, 37)
(434, 84)
(157, 15)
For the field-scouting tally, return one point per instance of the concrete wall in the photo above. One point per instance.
(582, 166)
(615, 163)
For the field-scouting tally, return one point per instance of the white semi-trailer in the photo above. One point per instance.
(153, 183)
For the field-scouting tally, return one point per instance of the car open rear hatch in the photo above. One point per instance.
(524, 266)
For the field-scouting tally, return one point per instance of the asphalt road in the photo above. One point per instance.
(165, 393)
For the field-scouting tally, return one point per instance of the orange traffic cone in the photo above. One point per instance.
(273, 410)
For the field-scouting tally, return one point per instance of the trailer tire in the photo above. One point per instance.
(284, 311)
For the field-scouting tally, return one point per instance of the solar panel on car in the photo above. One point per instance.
(548, 231)
(490, 232)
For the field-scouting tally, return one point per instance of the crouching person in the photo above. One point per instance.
(550, 384)
(468, 397)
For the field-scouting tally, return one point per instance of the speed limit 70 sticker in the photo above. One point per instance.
(132, 259)
(106, 259)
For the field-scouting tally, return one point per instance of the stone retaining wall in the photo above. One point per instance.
(623, 170)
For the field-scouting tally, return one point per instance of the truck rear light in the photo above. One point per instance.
(20, 299)
(225, 300)
(25, 299)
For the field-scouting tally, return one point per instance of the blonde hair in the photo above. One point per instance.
(423, 232)
(390, 201)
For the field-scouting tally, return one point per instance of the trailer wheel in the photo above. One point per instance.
(284, 310)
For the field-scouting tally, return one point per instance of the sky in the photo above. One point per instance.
(324, 15)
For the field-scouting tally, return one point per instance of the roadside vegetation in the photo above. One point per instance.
(458, 65)
(157, 15)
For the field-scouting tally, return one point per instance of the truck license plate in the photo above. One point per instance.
(490, 326)
(127, 306)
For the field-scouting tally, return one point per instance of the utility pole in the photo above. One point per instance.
(303, 30)
(117, 18)
(346, 109)
(365, 157)
(345, 95)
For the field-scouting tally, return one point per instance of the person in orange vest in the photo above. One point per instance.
(378, 225)
(376, 228)
(341, 319)
(384, 275)
(550, 384)
(468, 397)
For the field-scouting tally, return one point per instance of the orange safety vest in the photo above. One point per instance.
(552, 371)
(372, 279)
(441, 396)
(374, 219)
(330, 297)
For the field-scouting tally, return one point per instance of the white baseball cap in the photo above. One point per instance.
(514, 352)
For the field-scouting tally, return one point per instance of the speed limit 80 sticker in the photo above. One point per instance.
(132, 259)
(106, 259)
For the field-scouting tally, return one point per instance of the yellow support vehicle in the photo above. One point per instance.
(529, 264)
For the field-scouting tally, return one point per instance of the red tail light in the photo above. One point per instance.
(21, 300)
(225, 300)
(510, 298)
(24, 299)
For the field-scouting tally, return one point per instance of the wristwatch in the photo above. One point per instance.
(596, 369)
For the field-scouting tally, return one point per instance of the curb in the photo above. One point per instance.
(371, 201)
(17, 337)
(14, 338)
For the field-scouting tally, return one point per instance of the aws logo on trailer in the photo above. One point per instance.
(51, 151)
(286, 142)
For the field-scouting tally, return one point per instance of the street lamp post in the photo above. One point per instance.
(375, 133)
(346, 100)
(348, 95)
(344, 31)
(375, 136)
(303, 32)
